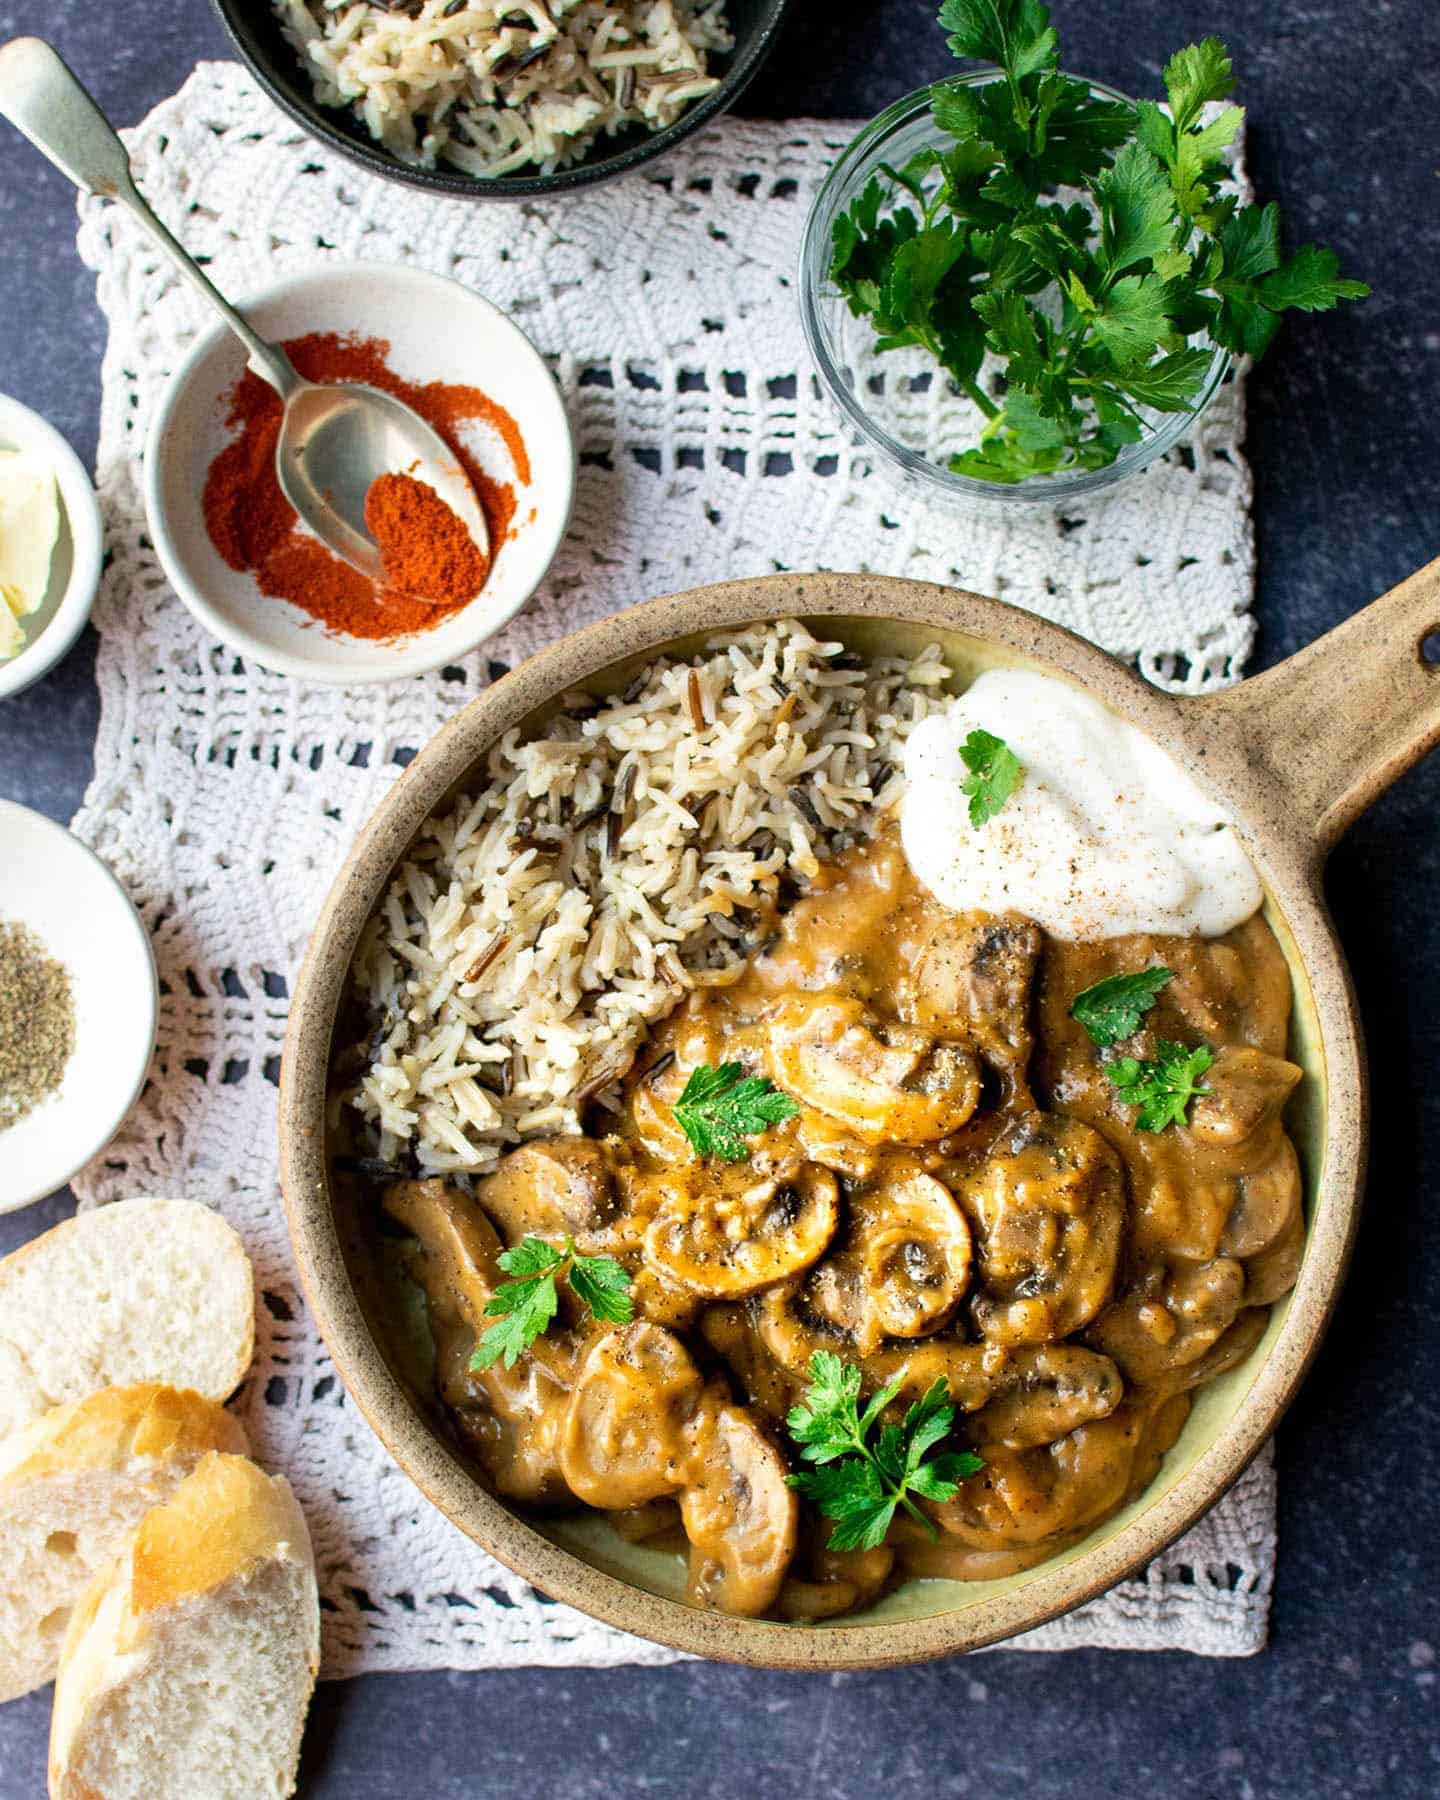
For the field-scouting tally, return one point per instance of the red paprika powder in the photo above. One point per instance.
(425, 547)
(253, 526)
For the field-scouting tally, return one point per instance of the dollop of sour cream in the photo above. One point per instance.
(1105, 835)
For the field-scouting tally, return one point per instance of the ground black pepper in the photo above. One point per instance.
(37, 1023)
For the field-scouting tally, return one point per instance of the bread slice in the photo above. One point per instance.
(73, 1485)
(189, 1662)
(144, 1290)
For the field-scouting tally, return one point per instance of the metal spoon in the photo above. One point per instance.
(334, 439)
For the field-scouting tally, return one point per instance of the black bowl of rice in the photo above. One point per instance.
(502, 99)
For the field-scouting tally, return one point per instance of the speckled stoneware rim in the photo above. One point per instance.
(1294, 754)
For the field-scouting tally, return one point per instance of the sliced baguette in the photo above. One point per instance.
(189, 1662)
(144, 1290)
(73, 1485)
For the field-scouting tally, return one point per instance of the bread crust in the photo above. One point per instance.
(106, 1429)
(226, 1520)
(89, 1467)
(217, 1525)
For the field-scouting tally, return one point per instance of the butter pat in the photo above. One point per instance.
(29, 526)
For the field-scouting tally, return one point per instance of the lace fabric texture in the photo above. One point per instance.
(225, 797)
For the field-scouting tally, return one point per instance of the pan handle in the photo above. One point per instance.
(1335, 724)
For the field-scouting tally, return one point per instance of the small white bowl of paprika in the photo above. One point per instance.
(231, 546)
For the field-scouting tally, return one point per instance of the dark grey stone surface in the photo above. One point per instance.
(1344, 103)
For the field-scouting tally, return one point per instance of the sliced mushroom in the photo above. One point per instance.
(655, 1524)
(654, 1296)
(1049, 1211)
(1030, 1497)
(1232, 1346)
(624, 1440)
(966, 1369)
(696, 1034)
(1265, 1228)
(1277, 1267)
(761, 1381)
(913, 1248)
(1248, 1091)
(1266, 1205)
(792, 1330)
(804, 1602)
(723, 1230)
(905, 1260)
(888, 1083)
(1041, 1392)
(824, 1583)
(1169, 1317)
(551, 1189)
(972, 980)
(739, 1510)
(1025, 1505)
(510, 1418)
(1227, 1184)
(643, 1426)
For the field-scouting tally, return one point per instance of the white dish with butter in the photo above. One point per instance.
(48, 622)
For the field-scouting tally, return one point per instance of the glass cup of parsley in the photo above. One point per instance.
(885, 372)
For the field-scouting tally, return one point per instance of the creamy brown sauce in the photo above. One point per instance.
(961, 1195)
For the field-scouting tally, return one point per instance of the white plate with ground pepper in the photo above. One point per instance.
(77, 1005)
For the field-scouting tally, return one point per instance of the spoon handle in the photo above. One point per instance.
(42, 98)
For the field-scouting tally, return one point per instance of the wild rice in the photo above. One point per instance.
(499, 986)
(493, 87)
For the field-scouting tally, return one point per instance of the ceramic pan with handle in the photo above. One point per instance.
(1294, 755)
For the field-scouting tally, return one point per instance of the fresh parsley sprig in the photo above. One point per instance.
(721, 1107)
(1112, 1009)
(1090, 306)
(994, 774)
(526, 1305)
(1162, 1086)
(862, 1478)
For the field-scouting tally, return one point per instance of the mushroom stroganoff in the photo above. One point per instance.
(883, 1238)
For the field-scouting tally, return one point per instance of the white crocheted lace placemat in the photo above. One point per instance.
(225, 797)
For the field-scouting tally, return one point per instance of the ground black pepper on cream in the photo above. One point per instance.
(1104, 835)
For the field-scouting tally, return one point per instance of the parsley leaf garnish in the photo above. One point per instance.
(862, 1478)
(1162, 1087)
(526, 1305)
(994, 774)
(1113, 1008)
(1017, 35)
(1089, 307)
(602, 1284)
(721, 1107)
(1137, 213)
